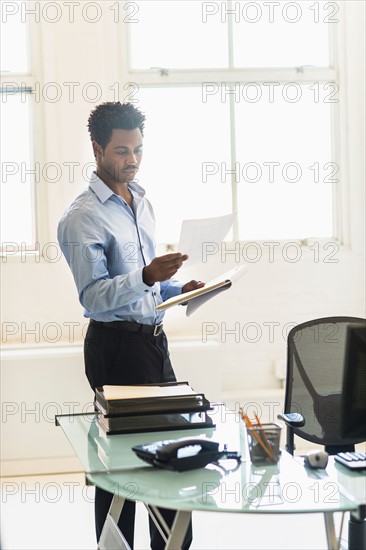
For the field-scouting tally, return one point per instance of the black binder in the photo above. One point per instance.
(153, 422)
(145, 405)
(145, 414)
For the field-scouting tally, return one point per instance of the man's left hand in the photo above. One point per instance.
(192, 285)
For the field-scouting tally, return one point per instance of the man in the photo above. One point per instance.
(107, 237)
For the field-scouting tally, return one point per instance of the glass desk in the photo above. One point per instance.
(286, 488)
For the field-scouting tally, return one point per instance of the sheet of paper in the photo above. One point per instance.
(184, 298)
(232, 275)
(195, 298)
(134, 392)
(201, 238)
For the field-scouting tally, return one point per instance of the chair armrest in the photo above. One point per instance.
(294, 420)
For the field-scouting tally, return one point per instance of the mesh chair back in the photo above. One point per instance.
(315, 360)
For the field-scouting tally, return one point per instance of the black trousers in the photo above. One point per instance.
(115, 356)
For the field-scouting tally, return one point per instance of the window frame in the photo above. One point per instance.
(304, 74)
(28, 81)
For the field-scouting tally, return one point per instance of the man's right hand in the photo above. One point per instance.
(163, 267)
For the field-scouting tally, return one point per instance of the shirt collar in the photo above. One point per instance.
(104, 192)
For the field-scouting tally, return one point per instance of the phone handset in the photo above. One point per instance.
(183, 454)
(170, 450)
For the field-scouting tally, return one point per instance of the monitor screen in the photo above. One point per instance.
(353, 414)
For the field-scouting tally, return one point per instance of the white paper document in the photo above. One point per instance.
(200, 237)
(195, 298)
(138, 392)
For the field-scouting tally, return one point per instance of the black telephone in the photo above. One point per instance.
(182, 454)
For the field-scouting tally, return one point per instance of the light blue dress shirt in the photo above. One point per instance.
(107, 244)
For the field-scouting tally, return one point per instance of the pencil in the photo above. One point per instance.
(265, 436)
(249, 424)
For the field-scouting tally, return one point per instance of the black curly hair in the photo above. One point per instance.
(113, 115)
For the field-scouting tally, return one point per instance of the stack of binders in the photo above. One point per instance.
(145, 408)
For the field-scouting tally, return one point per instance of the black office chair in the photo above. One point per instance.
(315, 359)
(312, 411)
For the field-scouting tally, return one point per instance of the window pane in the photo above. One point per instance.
(174, 35)
(282, 34)
(183, 140)
(17, 207)
(285, 174)
(14, 40)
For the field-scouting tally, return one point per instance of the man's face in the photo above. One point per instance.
(121, 158)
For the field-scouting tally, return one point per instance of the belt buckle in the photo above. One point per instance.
(158, 329)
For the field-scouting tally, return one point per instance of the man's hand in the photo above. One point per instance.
(192, 285)
(163, 267)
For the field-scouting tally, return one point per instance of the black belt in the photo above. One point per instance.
(130, 326)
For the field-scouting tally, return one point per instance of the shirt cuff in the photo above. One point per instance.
(137, 282)
(170, 288)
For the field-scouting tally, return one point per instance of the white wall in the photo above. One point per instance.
(263, 305)
(38, 383)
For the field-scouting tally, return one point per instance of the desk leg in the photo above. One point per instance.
(178, 530)
(111, 537)
(332, 542)
(173, 536)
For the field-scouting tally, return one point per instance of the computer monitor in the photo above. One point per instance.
(353, 411)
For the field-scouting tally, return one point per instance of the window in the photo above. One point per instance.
(241, 101)
(17, 179)
(179, 134)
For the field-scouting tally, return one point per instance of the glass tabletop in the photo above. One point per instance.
(287, 487)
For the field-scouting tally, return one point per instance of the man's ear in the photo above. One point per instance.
(96, 148)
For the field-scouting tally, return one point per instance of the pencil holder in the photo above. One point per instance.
(264, 443)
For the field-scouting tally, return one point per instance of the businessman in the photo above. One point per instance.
(107, 238)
